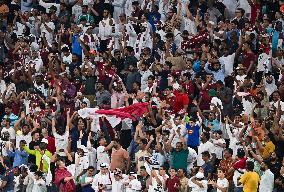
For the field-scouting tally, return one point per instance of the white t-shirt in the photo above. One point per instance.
(155, 187)
(275, 104)
(208, 146)
(190, 26)
(144, 79)
(102, 156)
(39, 185)
(61, 141)
(224, 183)
(67, 59)
(196, 188)
(228, 63)
(81, 163)
(27, 138)
(218, 150)
(76, 11)
(37, 64)
(11, 132)
(48, 36)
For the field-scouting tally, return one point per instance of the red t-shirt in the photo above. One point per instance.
(170, 101)
(248, 57)
(254, 9)
(51, 144)
(240, 164)
(189, 88)
(172, 184)
(181, 101)
(205, 98)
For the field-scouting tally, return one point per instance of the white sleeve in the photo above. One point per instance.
(12, 133)
(51, 25)
(95, 183)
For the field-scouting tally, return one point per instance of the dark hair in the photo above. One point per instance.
(206, 135)
(249, 44)
(240, 153)
(178, 115)
(65, 49)
(187, 75)
(250, 165)
(157, 35)
(169, 64)
(33, 167)
(229, 150)
(38, 173)
(235, 21)
(206, 153)
(169, 35)
(144, 141)
(34, 132)
(143, 167)
(151, 77)
(91, 167)
(129, 48)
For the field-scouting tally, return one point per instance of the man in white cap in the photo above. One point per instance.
(102, 181)
(198, 183)
(132, 184)
(117, 181)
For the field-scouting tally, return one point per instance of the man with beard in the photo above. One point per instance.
(269, 84)
(103, 97)
(23, 133)
(40, 85)
(143, 39)
(118, 92)
(105, 30)
(188, 84)
(168, 99)
(267, 179)
(120, 157)
(39, 153)
(132, 76)
(118, 61)
(214, 67)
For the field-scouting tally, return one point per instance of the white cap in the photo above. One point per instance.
(104, 165)
(44, 140)
(199, 175)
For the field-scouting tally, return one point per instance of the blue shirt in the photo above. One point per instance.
(20, 157)
(196, 66)
(9, 178)
(153, 19)
(76, 47)
(192, 135)
(218, 75)
(215, 125)
(75, 134)
(13, 118)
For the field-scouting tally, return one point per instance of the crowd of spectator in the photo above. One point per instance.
(147, 95)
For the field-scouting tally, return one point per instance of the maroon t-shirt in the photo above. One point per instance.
(173, 184)
(248, 57)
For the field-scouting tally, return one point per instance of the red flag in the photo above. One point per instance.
(132, 111)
